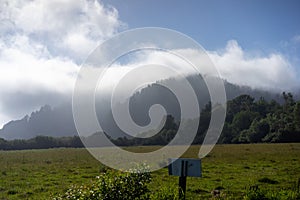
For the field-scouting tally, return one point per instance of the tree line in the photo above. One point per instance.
(250, 121)
(247, 121)
(41, 142)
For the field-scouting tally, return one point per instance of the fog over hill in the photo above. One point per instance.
(58, 121)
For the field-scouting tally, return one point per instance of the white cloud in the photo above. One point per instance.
(269, 72)
(24, 72)
(66, 26)
(42, 44)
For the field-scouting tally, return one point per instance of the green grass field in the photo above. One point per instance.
(42, 174)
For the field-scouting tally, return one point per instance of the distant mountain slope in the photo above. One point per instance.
(58, 121)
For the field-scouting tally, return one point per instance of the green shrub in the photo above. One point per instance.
(113, 185)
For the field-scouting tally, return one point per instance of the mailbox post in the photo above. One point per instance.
(184, 167)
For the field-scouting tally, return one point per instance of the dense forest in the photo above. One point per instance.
(247, 121)
(250, 121)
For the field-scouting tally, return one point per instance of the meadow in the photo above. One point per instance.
(231, 169)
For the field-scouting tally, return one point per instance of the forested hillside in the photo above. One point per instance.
(58, 121)
(248, 121)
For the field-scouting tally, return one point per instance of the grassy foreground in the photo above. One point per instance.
(232, 169)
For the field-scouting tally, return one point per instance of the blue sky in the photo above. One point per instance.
(257, 25)
(43, 43)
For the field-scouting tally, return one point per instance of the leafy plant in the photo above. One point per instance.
(113, 185)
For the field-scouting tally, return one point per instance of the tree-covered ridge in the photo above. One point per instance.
(250, 121)
(247, 121)
(58, 121)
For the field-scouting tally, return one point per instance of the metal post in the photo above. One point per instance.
(182, 180)
(183, 167)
